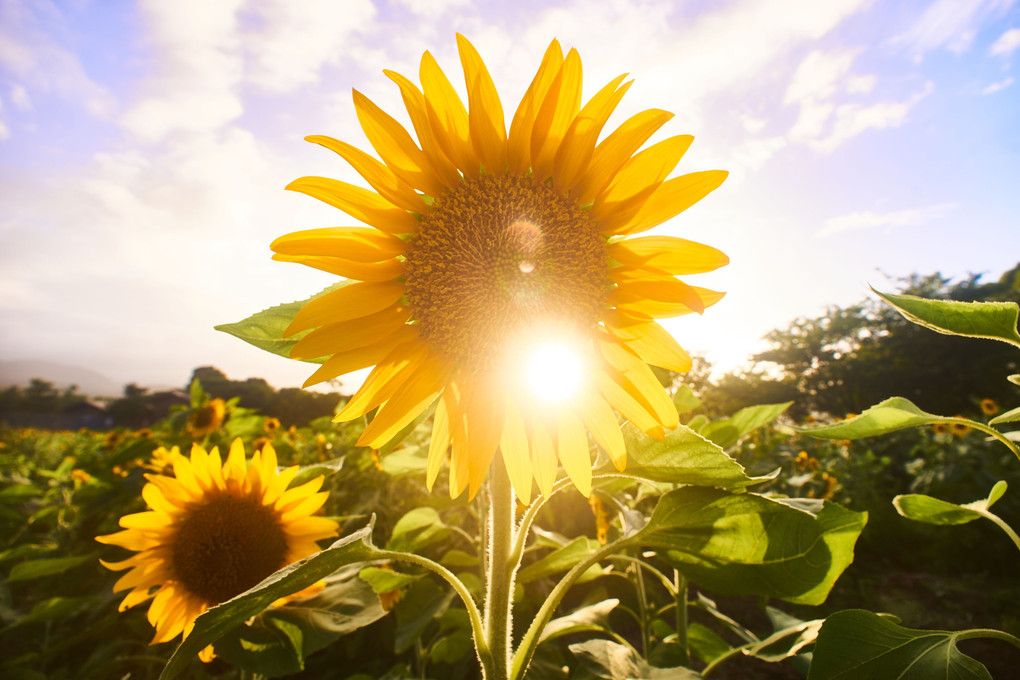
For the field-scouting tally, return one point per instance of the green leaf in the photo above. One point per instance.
(684, 457)
(32, 569)
(560, 560)
(406, 461)
(705, 644)
(57, 608)
(786, 642)
(421, 603)
(265, 329)
(684, 399)
(309, 472)
(892, 414)
(990, 320)
(386, 580)
(930, 510)
(612, 661)
(725, 433)
(417, 529)
(858, 644)
(219, 620)
(196, 393)
(1010, 416)
(746, 544)
(279, 640)
(1015, 378)
(591, 619)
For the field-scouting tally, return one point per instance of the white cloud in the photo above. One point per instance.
(41, 63)
(432, 7)
(818, 75)
(890, 220)
(860, 84)
(951, 24)
(196, 68)
(1007, 42)
(291, 41)
(997, 86)
(5, 132)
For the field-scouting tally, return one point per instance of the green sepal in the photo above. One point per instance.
(265, 329)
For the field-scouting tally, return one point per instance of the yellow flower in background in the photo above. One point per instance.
(271, 424)
(959, 430)
(501, 275)
(213, 531)
(989, 407)
(162, 460)
(206, 419)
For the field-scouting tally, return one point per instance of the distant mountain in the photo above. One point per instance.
(61, 375)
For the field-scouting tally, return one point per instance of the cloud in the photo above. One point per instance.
(1007, 42)
(432, 7)
(997, 86)
(951, 24)
(871, 220)
(818, 75)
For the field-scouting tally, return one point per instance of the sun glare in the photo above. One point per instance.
(555, 372)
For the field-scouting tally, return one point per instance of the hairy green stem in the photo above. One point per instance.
(989, 633)
(643, 604)
(499, 582)
(1001, 523)
(992, 431)
(477, 631)
(680, 593)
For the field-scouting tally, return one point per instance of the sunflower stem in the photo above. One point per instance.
(499, 582)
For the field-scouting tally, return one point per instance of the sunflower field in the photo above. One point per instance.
(514, 491)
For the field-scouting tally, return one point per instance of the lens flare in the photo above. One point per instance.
(555, 372)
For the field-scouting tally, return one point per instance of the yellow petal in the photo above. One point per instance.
(600, 420)
(667, 254)
(654, 297)
(235, 470)
(154, 499)
(361, 204)
(578, 146)
(448, 119)
(666, 202)
(555, 115)
(408, 401)
(485, 117)
(616, 149)
(414, 102)
(650, 390)
(361, 244)
(572, 446)
(387, 270)
(379, 177)
(609, 383)
(513, 445)
(481, 409)
(519, 137)
(648, 340)
(440, 439)
(361, 357)
(637, 181)
(347, 335)
(384, 379)
(543, 456)
(349, 302)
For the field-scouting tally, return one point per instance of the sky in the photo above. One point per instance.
(145, 147)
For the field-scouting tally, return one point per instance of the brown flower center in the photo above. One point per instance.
(226, 546)
(498, 255)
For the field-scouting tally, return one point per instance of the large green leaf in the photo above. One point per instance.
(991, 320)
(746, 544)
(420, 604)
(279, 640)
(613, 661)
(684, 457)
(32, 569)
(895, 413)
(858, 644)
(591, 619)
(930, 510)
(221, 619)
(561, 560)
(265, 329)
(417, 529)
(725, 433)
(1010, 416)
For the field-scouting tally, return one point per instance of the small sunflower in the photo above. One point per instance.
(271, 424)
(959, 430)
(162, 460)
(212, 532)
(206, 419)
(499, 277)
(989, 407)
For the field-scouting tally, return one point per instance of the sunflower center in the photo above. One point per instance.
(227, 546)
(496, 258)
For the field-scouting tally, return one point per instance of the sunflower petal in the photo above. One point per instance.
(669, 200)
(414, 102)
(342, 363)
(648, 340)
(485, 111)
(578, 146)
(644, 381)
(343, 304)
(601, 422)
(379, 177)
(386, 270)
(448, 118)
(572, 446)
(408, 400)
(555, 115)
(513, 445)
(439, 442)
(361, 244)
(543, 456)
(519, 138)
(482, 430)
(637, 180)
(384, 379)
(347, 335)
(361, 204)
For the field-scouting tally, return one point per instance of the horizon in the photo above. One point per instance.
(145, 147)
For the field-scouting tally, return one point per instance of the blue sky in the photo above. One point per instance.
(144, 148)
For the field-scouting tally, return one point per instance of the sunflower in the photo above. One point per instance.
(989, 407)
(207, 418)
(162, 460)
(498, 276)
(212, 532)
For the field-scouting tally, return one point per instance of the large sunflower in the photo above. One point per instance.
(498, 275)
(212, 532)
